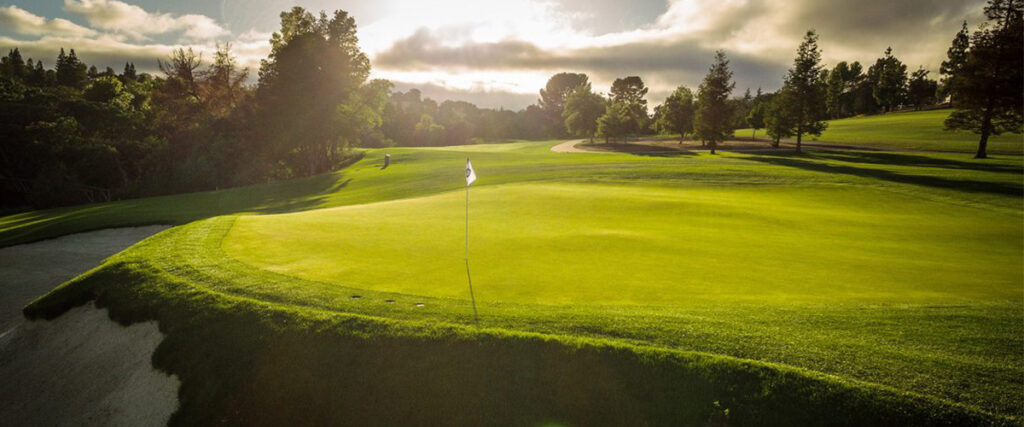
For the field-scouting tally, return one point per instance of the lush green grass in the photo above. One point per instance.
(606, 244)
(888, 270)
(917, 130)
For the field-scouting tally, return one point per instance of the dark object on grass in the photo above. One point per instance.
(387, 161)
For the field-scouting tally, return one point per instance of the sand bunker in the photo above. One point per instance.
(81, 368)
(28, 271)
(84, 369)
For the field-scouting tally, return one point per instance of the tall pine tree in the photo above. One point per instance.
(956, 58)
(713, 122)
(989, 88)
(804, 91)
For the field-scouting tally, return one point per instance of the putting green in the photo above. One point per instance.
(609, 244)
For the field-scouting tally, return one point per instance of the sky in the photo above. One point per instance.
(500, 53)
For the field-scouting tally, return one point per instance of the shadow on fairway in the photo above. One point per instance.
(905, 159)
(308, 201)
(813, 162)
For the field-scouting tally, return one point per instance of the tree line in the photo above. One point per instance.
(73, 133)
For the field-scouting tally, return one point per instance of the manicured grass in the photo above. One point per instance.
(606, 244)
(917, 130)
(897, 273)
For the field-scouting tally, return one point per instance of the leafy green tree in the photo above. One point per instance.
(740, 108)
(630, 91)
(554, 96)
(890, 78)
(583, 108)
(988, 88)
(956, 58)
(314, 66)
(616, 122)
(777, 121)
(428, 133)
(676, 113)
(836, 87)
(755, 118)
(713, 119)
(803, 91)
(920, 89)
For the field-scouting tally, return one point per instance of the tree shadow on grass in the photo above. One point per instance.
(308, 201)
(905, 159)
(806, 162)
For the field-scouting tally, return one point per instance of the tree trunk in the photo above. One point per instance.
(712, 144)
(753, 136)
(986, 130)
(799, 136)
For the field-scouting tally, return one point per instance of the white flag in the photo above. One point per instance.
(470, 174)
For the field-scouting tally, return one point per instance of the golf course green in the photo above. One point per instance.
(863, 282)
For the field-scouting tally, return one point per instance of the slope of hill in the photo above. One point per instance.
(912, 130)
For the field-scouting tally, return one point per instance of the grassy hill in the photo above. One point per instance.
(916, 130)
(839, 287)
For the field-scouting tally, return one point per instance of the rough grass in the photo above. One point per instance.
(949, 354)
(915, 130)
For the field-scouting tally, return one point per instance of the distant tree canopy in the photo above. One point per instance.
(582, 110)
(989, 84)
(617, 122)
(555, 94)
(889, 75)
(630, 92)
(921, 90)
(676, 114)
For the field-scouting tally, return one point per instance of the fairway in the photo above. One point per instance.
(607, 244)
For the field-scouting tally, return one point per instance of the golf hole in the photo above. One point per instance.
(389, 301)
(356, 296)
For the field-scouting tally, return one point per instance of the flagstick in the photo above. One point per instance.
(476, 320)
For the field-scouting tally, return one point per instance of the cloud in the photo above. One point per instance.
(24, 22)
(663, 64)
(137, 23)
(759, 36)
(480, 98)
